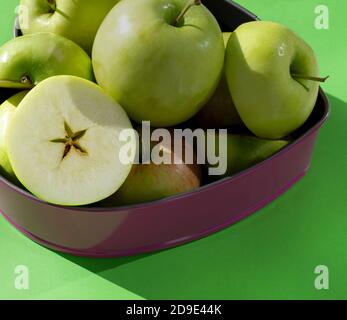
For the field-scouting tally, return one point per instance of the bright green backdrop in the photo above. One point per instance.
(269, 255)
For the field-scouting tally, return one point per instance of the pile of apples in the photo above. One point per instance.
(87, 71)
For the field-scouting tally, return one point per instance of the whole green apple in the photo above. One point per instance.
(220, 111)
(77, 20)
(7, 110)
(160, 59)
(27, 60)
(273, 78)
(243, 151)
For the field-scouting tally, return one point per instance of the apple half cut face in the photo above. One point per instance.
(64, 142)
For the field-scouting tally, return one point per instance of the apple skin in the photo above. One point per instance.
(151, 182)
(244, 151)
(40, 56)
(260, 58)
(220, 111)
(156, 71)
(7, 110)
(77, 20)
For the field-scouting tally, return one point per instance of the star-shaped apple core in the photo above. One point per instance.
(71, 140)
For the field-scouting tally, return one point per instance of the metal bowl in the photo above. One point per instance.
(122, 231)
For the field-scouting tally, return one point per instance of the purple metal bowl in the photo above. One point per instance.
(123, 231)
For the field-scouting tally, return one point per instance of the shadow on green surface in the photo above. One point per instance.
(97, 265)
(270, 255)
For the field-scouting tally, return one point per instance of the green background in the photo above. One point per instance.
(272, 254)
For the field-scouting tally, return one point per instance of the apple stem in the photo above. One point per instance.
(190, 4)
(317, 79)
(52, 4)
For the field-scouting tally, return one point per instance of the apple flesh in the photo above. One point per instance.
(7, 110)
(262, 61)
(157, 69)
(77, 20)
(220, 111)
(244, 151)
(64, 143)
(151, 182)
(27, 60)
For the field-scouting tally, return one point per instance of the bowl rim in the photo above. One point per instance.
(210, 186)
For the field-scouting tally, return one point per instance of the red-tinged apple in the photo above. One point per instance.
(152, 181)
(220, 111)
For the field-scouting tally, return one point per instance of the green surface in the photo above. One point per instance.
(272, 254)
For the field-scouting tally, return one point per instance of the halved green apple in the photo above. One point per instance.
(64, 142)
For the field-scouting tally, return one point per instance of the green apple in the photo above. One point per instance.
(220, 111)
(160, 59)
(244, 151)
(153, 181)
(273, 78)
(77, 20)
(7, 110)
(64, 142)
(27, 60)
